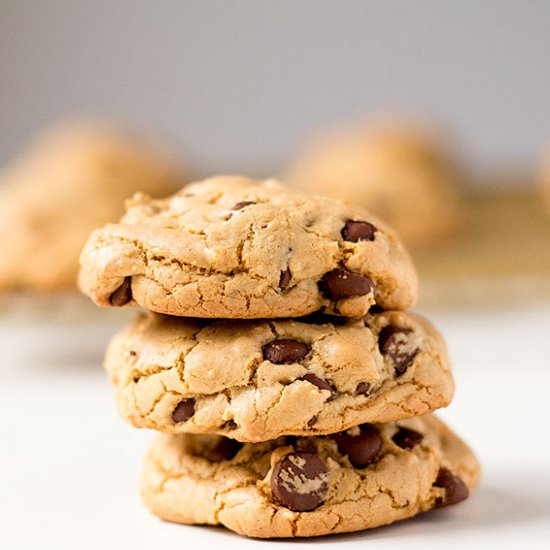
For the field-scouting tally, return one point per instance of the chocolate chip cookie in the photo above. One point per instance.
(257, 380)
(369, 476)
(72, 180)
(400, 171)
(229, 247)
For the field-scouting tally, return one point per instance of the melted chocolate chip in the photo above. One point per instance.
(223, 449)
(341, 283)
(300, 481)
(311, 422)
(358, 231)
(284, 279)
(407, 438)
(285, 351)
(123, 294)
(230, 425)
(184, 410)
(362, 388)
(321, 383)
(240, 205)
(455, 488)
(393, 342)
(361, 448)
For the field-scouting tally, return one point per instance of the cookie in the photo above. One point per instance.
(71, 181)
(369, 476)
(543, 177)
(257, 380)
(229, 247)
(399, 172)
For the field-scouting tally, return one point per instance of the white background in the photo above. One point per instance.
(69, 467)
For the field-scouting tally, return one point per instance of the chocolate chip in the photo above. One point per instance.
(224, 448)
(123, 294)
(184, 410)
(299, 481)
(362, 388)
(455, 488)
(284, 279)
(341, 283)
(285, 351)
(242, 204)
(393, 342)
(311, 422)
(230, 425)
(133, 353)
(358, 231)
(321, 383)
(407, 438)
(361, 448)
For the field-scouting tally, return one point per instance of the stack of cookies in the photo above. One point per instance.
(293, 389)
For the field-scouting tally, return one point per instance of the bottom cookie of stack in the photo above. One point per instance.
(368, 476)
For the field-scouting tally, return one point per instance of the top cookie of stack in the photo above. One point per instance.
(229, 247)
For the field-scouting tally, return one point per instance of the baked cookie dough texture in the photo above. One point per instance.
(73, 179)
(258, 380)
(229, 247)
(399, 171)
(369, 476)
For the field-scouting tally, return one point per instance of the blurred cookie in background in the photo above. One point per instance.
(401, 171)
(71, 180)
(543, 177)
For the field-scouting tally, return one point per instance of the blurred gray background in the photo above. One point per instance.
(238, 84)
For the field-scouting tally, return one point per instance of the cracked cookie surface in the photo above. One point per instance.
(72, 180)
(304, 487)
(257, 380)
(229, 247)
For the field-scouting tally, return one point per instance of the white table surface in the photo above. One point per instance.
(69, 467)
